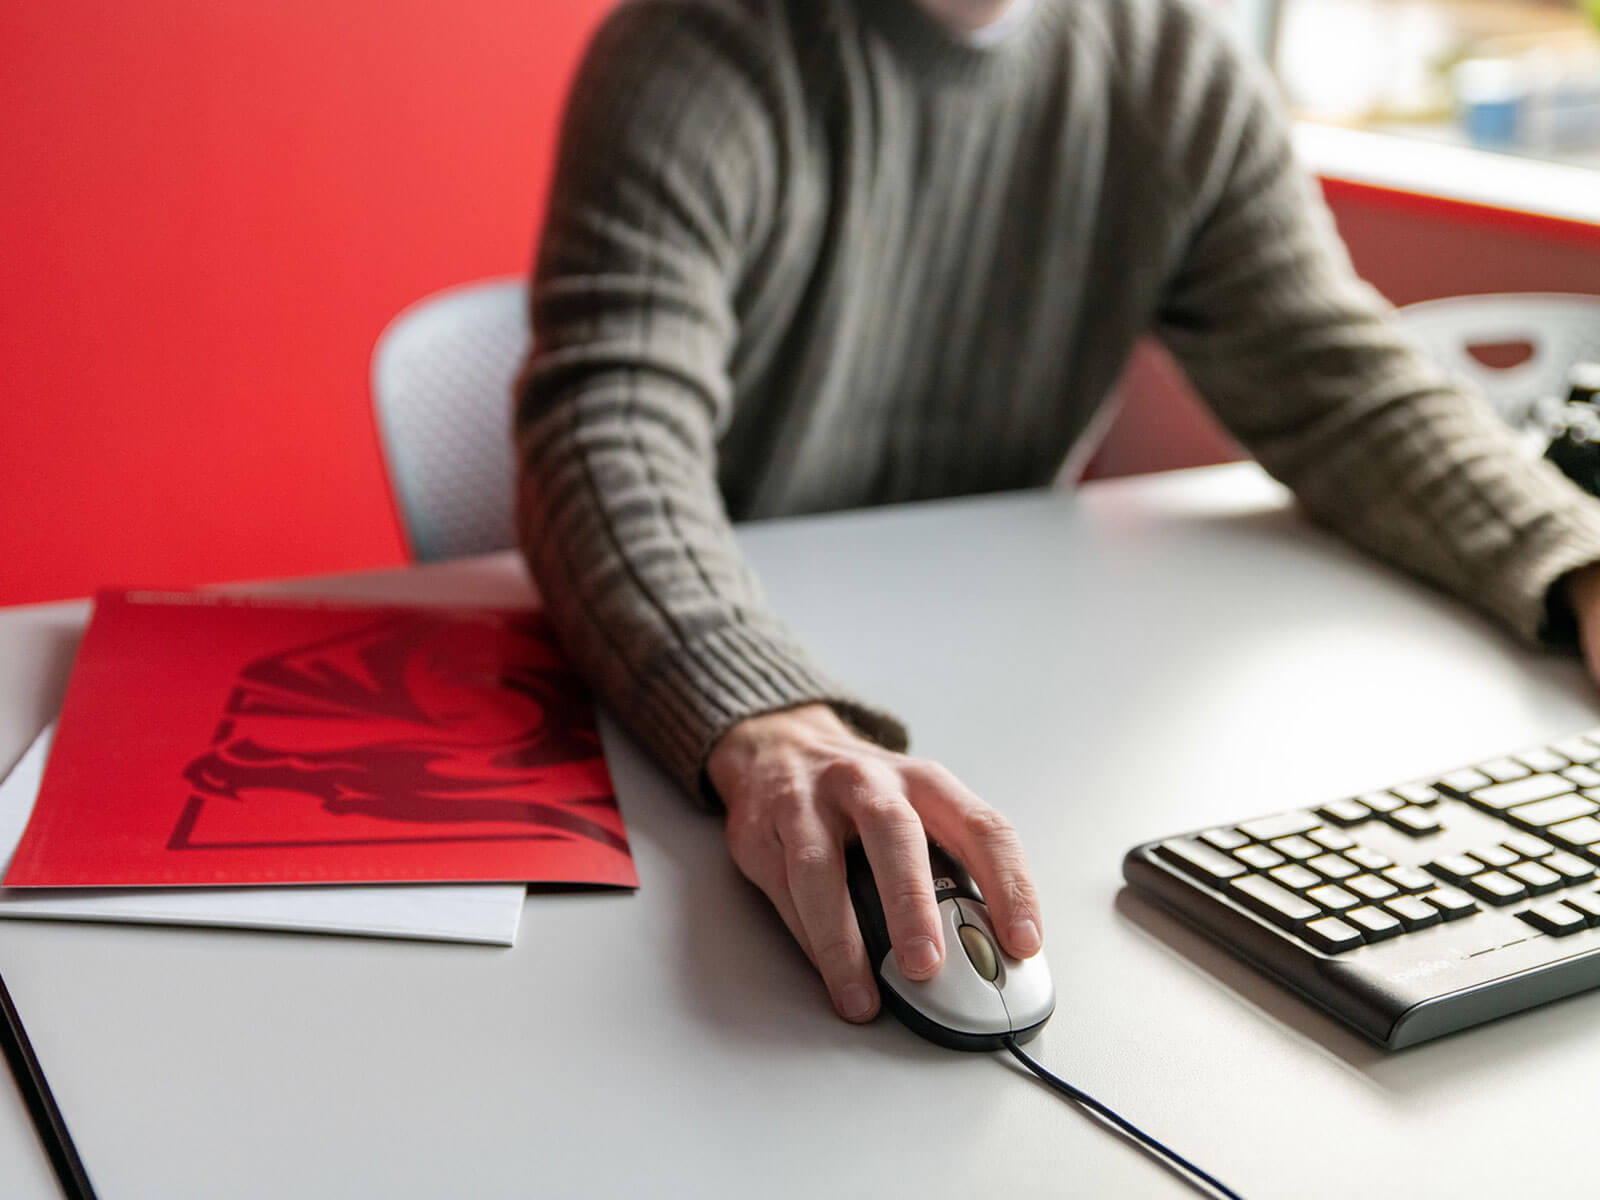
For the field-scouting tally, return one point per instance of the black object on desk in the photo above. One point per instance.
(41, 1104)
(1574, 428)
(1578, 457)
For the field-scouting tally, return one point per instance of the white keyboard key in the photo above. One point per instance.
(1542, 760)
(1417, 793)
(1332, 934)
(1273, 902)
(1468, 779)
(1586, 777)
(1503, 770)
(1554, 811)
(1583, 832)
(1381, 802)
(1282, 825)
(1579, 750)
(1523, 791)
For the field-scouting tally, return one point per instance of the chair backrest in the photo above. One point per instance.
(1560, 329)
(442, 373)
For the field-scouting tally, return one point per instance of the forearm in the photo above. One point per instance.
(1305, 365)
(638, 567)
(1380, 446)
(1438, 485)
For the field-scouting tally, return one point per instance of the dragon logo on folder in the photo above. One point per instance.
(478, 723)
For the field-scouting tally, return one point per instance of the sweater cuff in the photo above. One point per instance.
(696, 691)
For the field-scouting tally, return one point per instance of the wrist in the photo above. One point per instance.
(1569, 599)
(742, 743)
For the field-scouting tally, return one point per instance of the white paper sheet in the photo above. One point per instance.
(473, 912)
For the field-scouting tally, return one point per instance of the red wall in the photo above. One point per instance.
(208, 211)
(210, 208)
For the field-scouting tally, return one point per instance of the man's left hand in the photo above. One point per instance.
(1583, 593)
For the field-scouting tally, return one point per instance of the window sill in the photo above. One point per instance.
(1448, 172)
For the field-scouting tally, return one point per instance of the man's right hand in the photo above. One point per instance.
(798, 785)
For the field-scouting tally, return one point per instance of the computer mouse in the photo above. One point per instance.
(980, 996)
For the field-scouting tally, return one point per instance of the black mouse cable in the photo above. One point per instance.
(47, 1118)
(1170, 1157)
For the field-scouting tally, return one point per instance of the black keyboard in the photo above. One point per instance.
(1412, 911)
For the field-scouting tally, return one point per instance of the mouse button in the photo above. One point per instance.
(1027, 990)
(955, 998)
(951, 919)
(980, 951)
(1024, 984)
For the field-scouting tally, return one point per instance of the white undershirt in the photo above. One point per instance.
(1000, 28)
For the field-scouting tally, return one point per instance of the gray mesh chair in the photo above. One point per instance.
(1561, 329)
(441, 388)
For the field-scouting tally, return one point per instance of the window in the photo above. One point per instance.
(1519, 76)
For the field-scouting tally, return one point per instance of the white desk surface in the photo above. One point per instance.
(1136, 659)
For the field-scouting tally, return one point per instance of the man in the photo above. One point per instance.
(810, 254)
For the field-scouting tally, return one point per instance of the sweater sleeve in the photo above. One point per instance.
(664, 185)
(1299, 359)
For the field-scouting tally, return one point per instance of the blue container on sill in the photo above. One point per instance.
(1492, 99)
(1493, 124)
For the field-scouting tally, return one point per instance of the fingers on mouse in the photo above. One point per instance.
(980, 996)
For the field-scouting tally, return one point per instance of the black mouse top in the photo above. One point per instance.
(981, 995)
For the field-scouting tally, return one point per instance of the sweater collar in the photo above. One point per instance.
(942, 55)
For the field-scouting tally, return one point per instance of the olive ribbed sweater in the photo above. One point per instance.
(811, 254)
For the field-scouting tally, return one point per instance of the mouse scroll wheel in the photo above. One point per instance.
(980, 951)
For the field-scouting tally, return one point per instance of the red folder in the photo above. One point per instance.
(221, 740)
